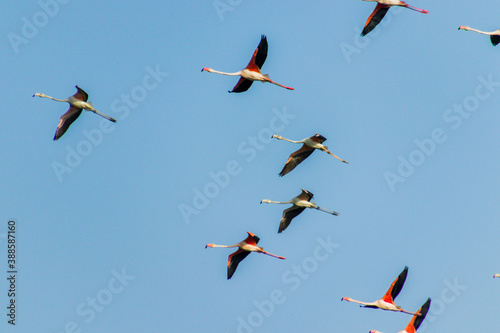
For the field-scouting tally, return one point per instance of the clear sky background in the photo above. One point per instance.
(409, 106)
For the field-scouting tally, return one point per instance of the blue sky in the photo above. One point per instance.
(104, 240)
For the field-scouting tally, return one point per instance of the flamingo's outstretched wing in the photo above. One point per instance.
(495, 40)
(288, 215)
(81, 94)
(296, 158)
(374, 19)
(255, 64)
(252, 239)
(416, 321)
(66, 120)
(259, 55)
(234, 260)
(396, 287)
(305, 195)
(242, 85)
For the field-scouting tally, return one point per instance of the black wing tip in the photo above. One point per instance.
(309, 193)
(284, 172)
(230, 270)
(495, 40)
(256, 239)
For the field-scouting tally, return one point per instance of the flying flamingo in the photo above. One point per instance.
(494, 35)
(252, 71)
(300, 202)
(308, 147)
(416, 321)
(244, 248)
(381, 9)
(77, 102)
(387, 302)
(496, 276)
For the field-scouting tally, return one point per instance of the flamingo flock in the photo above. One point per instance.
(253, 72)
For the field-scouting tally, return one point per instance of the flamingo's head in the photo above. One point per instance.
(345, 299)
(464, 27)
(39, 95)
(209, 245)
(373, 331)
(206, 69)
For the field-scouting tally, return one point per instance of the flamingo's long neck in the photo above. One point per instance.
(482, 32)
(363, 303)
(279, 202)
(224, 73)
(282, 138)
(55, 99)
(215, 245)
